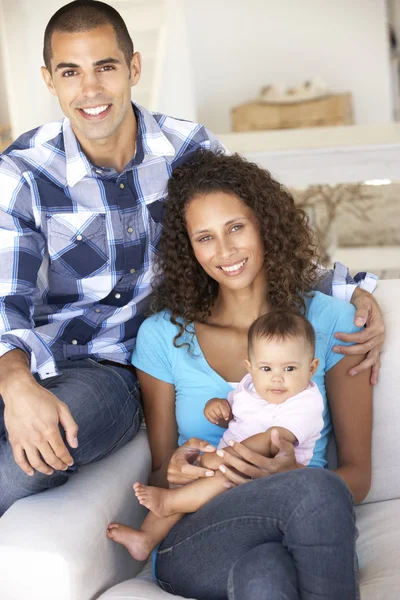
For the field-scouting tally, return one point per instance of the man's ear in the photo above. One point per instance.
(248, 365)
(48, 80)
(314, 366)
(136, 68)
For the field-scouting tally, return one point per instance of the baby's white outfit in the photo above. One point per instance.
(301, 415)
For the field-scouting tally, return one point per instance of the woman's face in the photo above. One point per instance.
(226, 240)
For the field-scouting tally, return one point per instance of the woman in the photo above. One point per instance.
(234, 246)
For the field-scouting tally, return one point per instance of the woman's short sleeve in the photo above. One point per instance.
(328, 316)
(344, 323)
(153, 353)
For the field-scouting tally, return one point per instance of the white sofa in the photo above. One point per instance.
(53, 546)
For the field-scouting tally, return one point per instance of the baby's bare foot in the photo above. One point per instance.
(158, 500)
(138, 543)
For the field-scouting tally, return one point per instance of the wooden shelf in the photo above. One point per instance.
(323, 155)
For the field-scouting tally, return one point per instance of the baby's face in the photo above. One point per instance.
(281, 368)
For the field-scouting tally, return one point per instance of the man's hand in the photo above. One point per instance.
(32, 417)
(218, 411)
(370, 340)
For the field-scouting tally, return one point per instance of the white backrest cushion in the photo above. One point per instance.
(386, 403)
(386, 406)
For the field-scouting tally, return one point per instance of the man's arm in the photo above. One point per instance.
(22, 246)
(338, 282)
(32, 414)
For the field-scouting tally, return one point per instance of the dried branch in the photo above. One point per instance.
(323, 202)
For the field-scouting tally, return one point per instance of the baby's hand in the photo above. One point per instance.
(218, 411)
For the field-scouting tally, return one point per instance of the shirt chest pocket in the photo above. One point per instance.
(77, 244)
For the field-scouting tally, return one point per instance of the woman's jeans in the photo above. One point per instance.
(104, 401)
(283, 537)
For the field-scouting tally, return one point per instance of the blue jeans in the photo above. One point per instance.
(104, 401)
(283, 537)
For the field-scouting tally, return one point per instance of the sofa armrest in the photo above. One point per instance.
(53, 546)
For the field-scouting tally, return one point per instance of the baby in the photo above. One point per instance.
(276, 395)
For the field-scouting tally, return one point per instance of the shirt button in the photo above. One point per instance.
(121, 185)
(99, 172)
(118, 296)
(74, 342)
(130, 229)
(79, 238)
(132, 271)
(97, 310)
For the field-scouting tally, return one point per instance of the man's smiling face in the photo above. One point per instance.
(92, 80)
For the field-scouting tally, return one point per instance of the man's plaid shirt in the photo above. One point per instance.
(78, 242)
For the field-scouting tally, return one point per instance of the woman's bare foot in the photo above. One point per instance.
(138, 543)
(158, 500)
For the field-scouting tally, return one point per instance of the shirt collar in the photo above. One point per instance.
(150, 139)
(154, 142)
(77, 164)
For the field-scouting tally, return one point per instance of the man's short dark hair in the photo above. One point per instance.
(281, 324)
(85, 15)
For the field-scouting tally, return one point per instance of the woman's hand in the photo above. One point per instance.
(181, 469)
(252, 465)
(370, 340)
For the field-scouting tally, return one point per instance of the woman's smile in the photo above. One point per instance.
(234, 269)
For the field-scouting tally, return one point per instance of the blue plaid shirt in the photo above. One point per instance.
(78, 241)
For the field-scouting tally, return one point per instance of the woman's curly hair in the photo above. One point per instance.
(183, 287)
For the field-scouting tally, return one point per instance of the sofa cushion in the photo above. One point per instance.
(386, 420)
(53, 546)
(386, 404)
(378, 548)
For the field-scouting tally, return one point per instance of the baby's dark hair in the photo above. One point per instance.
(281, 324)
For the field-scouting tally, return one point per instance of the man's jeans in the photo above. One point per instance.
(104, 401)
(283, 537)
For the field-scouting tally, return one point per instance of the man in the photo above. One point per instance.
(80, 218)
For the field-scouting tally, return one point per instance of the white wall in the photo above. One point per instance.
(29, 102)
(175, 86)
(238, 46)
(4, 118)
